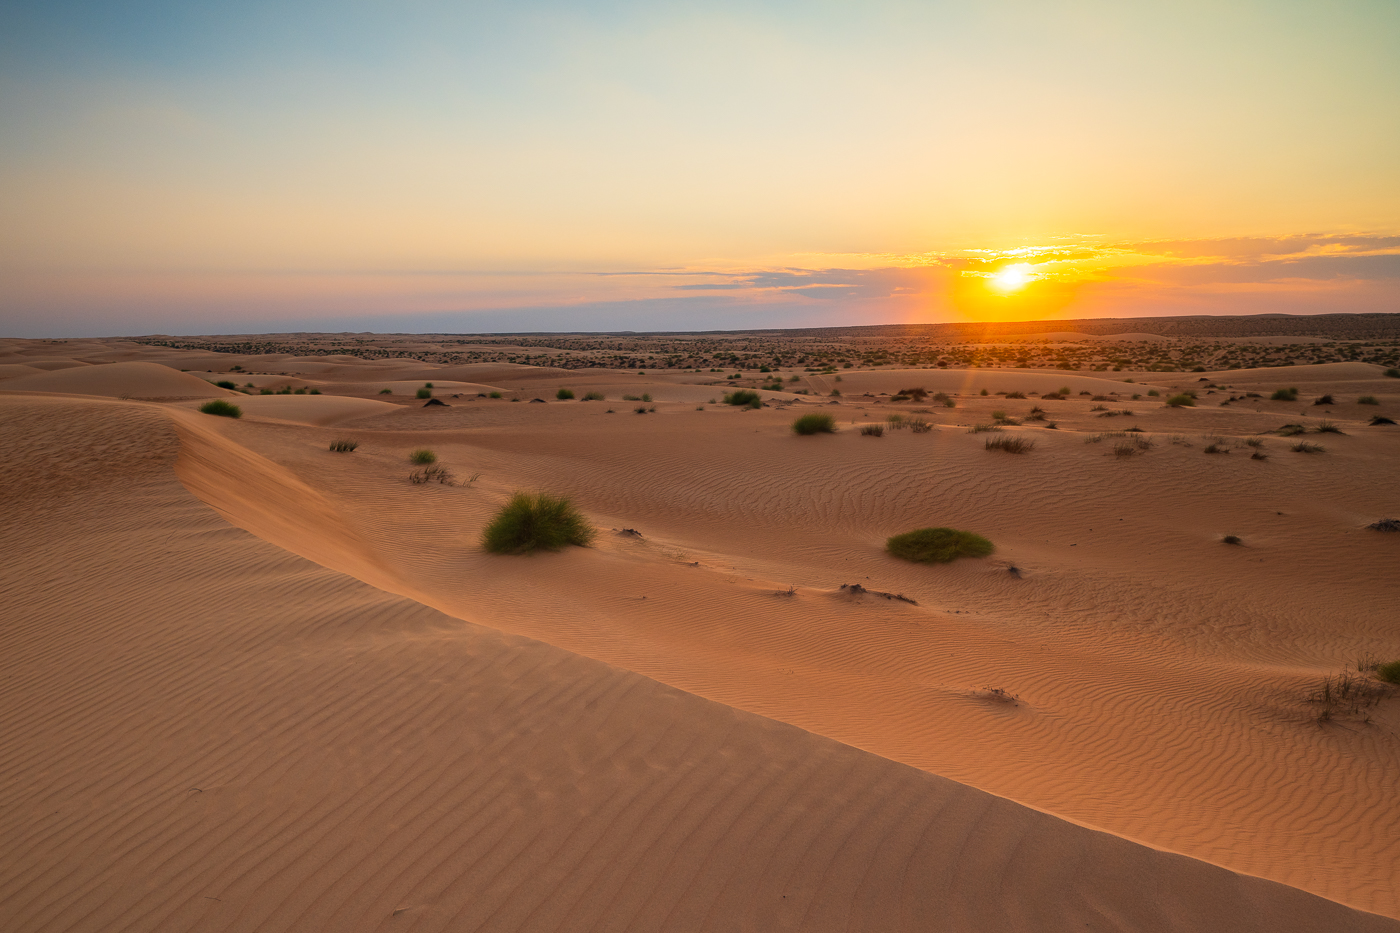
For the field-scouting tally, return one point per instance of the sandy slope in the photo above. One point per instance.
(205, 732)
(120, 380)
(1162, 674)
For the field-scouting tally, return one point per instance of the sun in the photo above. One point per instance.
(1011, 278)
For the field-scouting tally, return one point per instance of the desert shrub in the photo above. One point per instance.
(593, 396)
(983, 392)
(1289, 430)
(536, 522)
(998, 415)
(225, 384)
(835, 392)
(431, 474)
(266, 392)
(1153, 393)
(982, 428)
(814, 423)
(427, 385)
(1389, 672)
(314, 392)
(743, 397)
(919, 426)
(1215, 447)
(424, 393)
(1099, 408)
(1037, 414)
(1284, 395)
(1381, 419)
(1254, 441)
(1179, 401)
(301, 391)
(495, 395)
(916, 393)
(938, 545)
(219, 407)
(1393, 373)
(1231, 539)
(640, 409)
(944, 399)
(1303, 447)
(1328, 427)
(1367, 400)
(1015, 395)
(1012, 444)
(631, 398)
(646, 396)
(1324, 400)
(423, 455)
(896, 421)
(564, 393)
(872, 430)
(386, 391)
(344, 445)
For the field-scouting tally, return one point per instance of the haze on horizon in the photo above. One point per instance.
(250, 166)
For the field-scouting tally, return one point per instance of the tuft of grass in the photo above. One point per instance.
(944, 399)
(1153, 393)
(1231, 539)
(743, 398)
(1367, 400)
(1327, 427)
(1180, 401)
(1303, 447)
(344, 445)
(424, 393)
(594, 396)
(386, 391)
(225, 384)
(814, 423)
(1389, 672)
(564, 393)
(938, 545)
(919, 426)
(872, 430)
(1381, 419)
(495, 395)
(1393, 373)
(1215, 447)
(431, 474)
(532, 522)
(423, 455)
(646, 396)
(1324, 400)
(1284, 395)
(641, 409)
(1012, 444)
(1290, 430)
(1015, 395)
(220, 407)
(1254, 441)
(982, 428)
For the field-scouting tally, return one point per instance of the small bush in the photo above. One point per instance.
(225, 384)
(536, 522)
(344, 446)
(1381, 419)
(982, 428)
(424, 393)
(266, 392)
(641, 409)
(872, 430)
(1231, 539)
(1324, 400)
(495, 395)
(1284, 395)
(944, 399)
(1303, 447)
(998, 415)
(1011, 444)
(593, 396)
(386, 391)
(1367, 400)
(1015, 395)
(1153, 393)
(1179, 401)
(423, 455)
(564, 393)
(219, 407)
(814, 423)
(1328, 427)
(427, 385)
(983, 392)
(1290, 430)
(1254, 441)
(1389, 672)
(432, 474)
(646, 396)
(1393, 373)
(743, 397)
(938, 545)
(920, 426)
(1215, 447)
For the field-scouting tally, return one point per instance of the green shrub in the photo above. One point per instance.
(1284, 395)
(219, 407)
(745, 397)
(423, 455)
(425, 393)
(1153, 393)
(593, 396)
(815, 423)
(495, 394)
(646, 396)
(938, 545)
(225, 384)
(1178, 401)
(1393, 373)
(386, 391)
(1389, 672)
(564, 393)
(1367, 400)
(536, 522)
(872, 430)
(344, 446)
(266, 392)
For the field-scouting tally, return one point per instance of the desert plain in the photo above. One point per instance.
(251, 683)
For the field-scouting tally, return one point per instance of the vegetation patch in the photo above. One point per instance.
(814, 423)
(1012, 444)
(564, 393)
(344, 445)
(743, 398)
(1368, 400)
(1303, 447)
(423, 455)
(1324, 400)
(1284, 395)
(424, 393)
(536, 522)
(1180, 401)
(872, 430)
(432, 474)
(220, 407)
(594, 396)
(938, 545)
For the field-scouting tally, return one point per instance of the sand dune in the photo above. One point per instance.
(118, 380)
(321, 410)
(211, 733)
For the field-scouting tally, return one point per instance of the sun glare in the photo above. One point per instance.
(1012, 277)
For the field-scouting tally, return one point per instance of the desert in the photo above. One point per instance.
(255, 682)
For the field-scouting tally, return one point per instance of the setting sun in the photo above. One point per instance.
(1011, 278)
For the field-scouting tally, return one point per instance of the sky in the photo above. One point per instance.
(239, 167)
